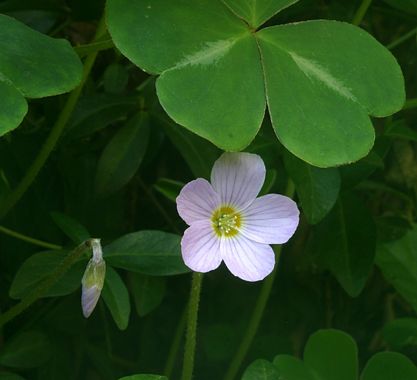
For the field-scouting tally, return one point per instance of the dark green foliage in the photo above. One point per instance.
(320, 102)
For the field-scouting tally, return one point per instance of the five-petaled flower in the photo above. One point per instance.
(227, 222)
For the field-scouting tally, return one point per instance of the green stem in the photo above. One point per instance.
(94, 47)
(28, 239)
(410, 103)
(402, 39)
(46, 284)
(360, 13)
(258, 311)
(55, 133)
(175, 346)
(191, 336)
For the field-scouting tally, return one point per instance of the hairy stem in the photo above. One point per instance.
(54, 135)
(191, 336)
(29, 239)
(46, 284)
(360, 13)
(258, 311)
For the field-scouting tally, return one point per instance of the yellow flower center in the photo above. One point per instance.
(226, 221)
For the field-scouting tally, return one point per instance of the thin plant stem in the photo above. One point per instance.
(410, 103)
(191, 336)
(94, 47)
(258, 311)
(176, 343)
(46, 284)
(360, 13)
(402, 39)
(29, 239)
(55, 133)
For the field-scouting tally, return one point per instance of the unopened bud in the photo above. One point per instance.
(93, 279)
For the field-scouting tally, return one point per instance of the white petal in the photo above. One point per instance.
(238, 178)
(89, 299)
(200, 247)
(197, 201)
(271, 219)
(246, 259)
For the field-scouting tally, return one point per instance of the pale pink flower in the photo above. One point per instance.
(228, 223)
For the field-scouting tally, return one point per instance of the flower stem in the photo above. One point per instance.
(259, 309)
(29, 239)
(360, 13)
(46, 284)
(55, 133)
(191, 336)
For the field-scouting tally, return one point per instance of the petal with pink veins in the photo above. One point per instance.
(246, 259)
(270, 219)
(238, 178)
(197, 201)
(200, 247)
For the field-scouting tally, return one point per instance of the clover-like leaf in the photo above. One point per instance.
(32, 65)
(321, 79)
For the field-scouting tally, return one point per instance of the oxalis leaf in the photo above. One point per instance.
(321, 79)
(333, 354)
(32, 65)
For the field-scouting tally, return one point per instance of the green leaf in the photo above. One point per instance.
(39, 266)
(155, 253)
(147, 291)
(95, 112)
(256, 12)
(345, 243)
(261, 370)
(29, 349)
(397, 261)
(389, 366)
(198, 153)
(401, 332)
(32, 65)
(332, 354)
(202, 51)
(291, 368)
(331, 91)
(70, 227)
(144, 377)
(317, 188)
(270, 179)
(115, 78)
(116, 297)
(123, 155)
(168, 188)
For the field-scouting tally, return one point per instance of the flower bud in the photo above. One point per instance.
(93, 279)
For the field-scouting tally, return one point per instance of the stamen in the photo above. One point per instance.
(226, 221)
